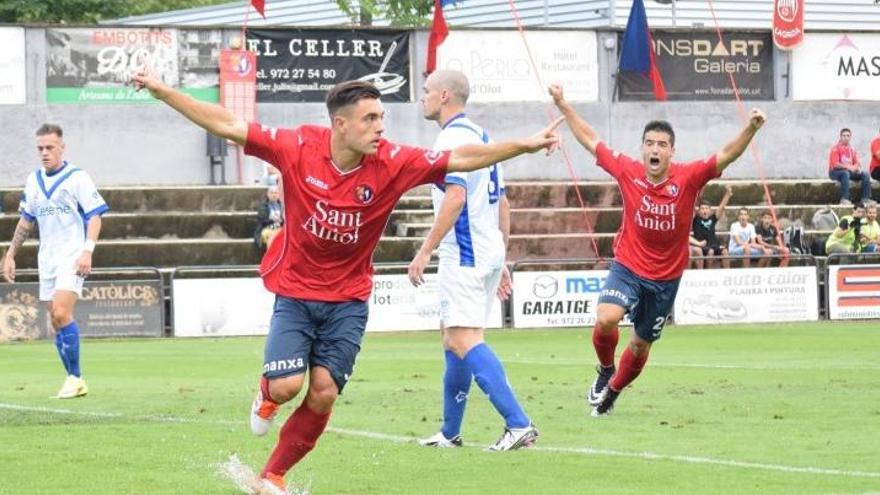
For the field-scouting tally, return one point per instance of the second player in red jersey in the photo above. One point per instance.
(651, 249)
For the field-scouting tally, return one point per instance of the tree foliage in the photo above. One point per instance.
(400, 13)
(88, 11)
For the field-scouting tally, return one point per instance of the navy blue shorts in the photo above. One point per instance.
(648, 302)
(314, 333)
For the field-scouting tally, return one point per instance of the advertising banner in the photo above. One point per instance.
(396, 305)
(788, 23)
(697, 66)
(213, 307)
(747, 295)
(302, 64)
(498, 67)
(837, 66)
(94, 65)
(12, 68)
(557, 299)
(125, 308)
(853, 292)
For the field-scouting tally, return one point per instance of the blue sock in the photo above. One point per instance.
(70, 343)
(489, 374)
(456, 384)
(61, 353)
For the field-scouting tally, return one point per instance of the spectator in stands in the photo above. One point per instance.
(270, 217)
(703, 240)
(846, 237)
(742, 238)
(870, 238)
(875, 159)
(767, 237)
(843, 167)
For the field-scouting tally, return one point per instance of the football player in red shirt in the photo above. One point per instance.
(651, 247)
(340, 185)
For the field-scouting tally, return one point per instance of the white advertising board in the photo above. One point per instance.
(396, 305)
(557, 299)
(853, 292)
(747, 295)
(498, 67)
(12, 67)
(837, 66)
(221, 307)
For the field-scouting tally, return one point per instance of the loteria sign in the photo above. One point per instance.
(788, 23)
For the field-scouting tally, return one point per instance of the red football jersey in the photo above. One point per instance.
(653, 237)
(332, 219)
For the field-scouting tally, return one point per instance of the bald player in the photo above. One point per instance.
(471, 228)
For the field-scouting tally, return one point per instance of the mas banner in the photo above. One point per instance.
(94, 65)
(696, 66)
(130, 308)
(396, 305)
(788, 23)
(853, 292)
(301, 65)
(747, 295)
(838, 66)
(557, 299)
(12, 68)
(498, 66)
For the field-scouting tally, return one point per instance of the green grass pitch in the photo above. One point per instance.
(722, 409)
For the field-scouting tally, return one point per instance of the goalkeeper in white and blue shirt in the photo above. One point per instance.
(472, 219)
(63, 201)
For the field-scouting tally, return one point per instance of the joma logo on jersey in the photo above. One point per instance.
(48, 211)
(317, 183)
(333, 225)
(283, 365)
(654, 216)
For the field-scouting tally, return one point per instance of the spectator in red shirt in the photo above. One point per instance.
(875, 158)
(843, 166)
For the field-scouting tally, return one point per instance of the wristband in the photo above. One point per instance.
(89, 246)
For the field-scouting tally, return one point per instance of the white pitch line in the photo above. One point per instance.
(689, 459)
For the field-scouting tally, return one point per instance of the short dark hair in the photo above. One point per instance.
(845, 130)
(704, 203)
(348, 93)
(660, 126)
(47, 129)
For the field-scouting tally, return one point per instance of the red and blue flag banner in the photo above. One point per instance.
(788, 23)
(260, 5)
(637, 49)
(439, 32)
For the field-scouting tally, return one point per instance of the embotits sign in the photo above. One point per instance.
(788, 23)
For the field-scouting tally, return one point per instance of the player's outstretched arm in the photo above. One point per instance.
(213, 118)
(450, 209)
(22, 231)
(476, 156)
(732, 150)
(583, 132)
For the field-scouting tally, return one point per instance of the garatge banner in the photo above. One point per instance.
(12, 68)
(747, 295)
(498, 67)
(696, 66)
(836, 66)
(557, 299)
(853, 292)
(94, 65)
(396, 305)
(302, 64)
(125, 308)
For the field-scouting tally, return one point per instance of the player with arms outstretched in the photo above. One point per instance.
(340, 185)
(63, 201)
(651, 247)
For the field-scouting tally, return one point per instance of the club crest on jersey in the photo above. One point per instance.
(364, 194)
(433, 156)
(672, 190)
